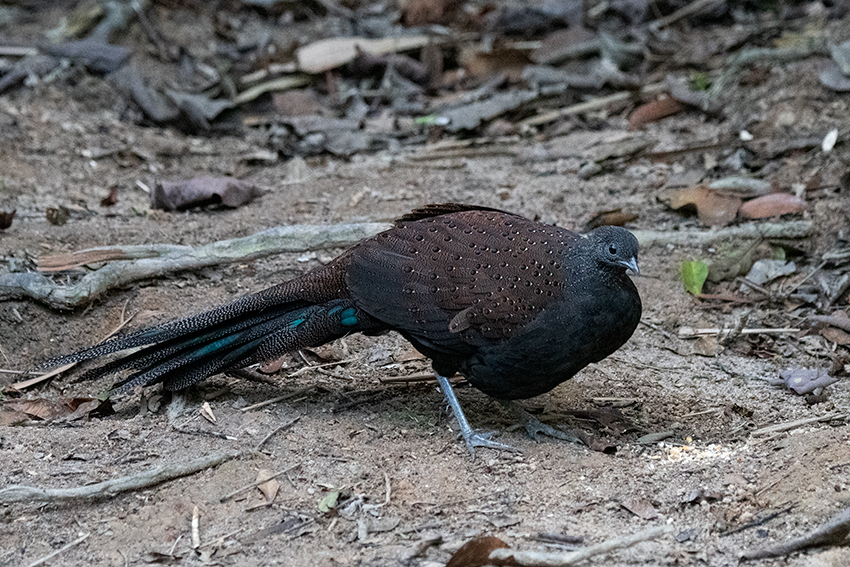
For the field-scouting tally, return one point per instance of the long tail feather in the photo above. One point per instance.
(179, 353)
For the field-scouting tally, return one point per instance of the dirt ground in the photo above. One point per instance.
(353, 433)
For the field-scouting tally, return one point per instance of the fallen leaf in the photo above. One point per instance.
(614, 217)
(694, 274)
(199, 191)
(640, 507)
(111, 199)
(765, 271)
(772, 205)
(207, 412)
(476, 552)
(328, 501)
(327, 54)
(269, 485)
(654, 111)
(6, 219)
(714, 208)
(805, 380)
(836, 336)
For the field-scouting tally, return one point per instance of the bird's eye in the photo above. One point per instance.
(612, 249)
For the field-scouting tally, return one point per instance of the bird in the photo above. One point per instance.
(515, 306)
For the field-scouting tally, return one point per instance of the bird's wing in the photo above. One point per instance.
(473, 276)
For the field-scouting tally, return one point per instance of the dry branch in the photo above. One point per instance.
(158, 260)
(547, 559)
(834, 532)
(16, 493)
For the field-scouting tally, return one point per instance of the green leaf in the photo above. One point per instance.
(329, 501)
(694, 274)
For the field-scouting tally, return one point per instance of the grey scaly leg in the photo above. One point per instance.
(534, 427)
(470, 436)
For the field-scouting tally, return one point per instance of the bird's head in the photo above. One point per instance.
(616, 247)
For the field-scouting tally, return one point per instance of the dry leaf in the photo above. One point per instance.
(805, 380)
(836, 336)
(476, 552)
(207, 412)
(654, 111)
(772, 205)
(269, 485)
(327, 54)
(199, 191)
(111, 199)
(640, 507)
(614, 217)
(6, 219)
(713, 207)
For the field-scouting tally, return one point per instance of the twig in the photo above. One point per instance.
(109, 488)
(807, 278)
(691, 333)
(595, 104)
(276, 430)
(257, 483)
(655, 327)
(759, 522)
(798, 423)
(270, 401)
(834, 532)
(548, 559)
(196, 528)
(168, 259)
(696, 238)
(50, 556)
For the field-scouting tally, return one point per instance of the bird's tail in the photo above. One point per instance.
(249, 330)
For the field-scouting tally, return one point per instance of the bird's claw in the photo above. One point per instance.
(536, 428)
(482, 439)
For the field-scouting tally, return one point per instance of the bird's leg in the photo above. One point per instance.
(470, 436)
(534, 427)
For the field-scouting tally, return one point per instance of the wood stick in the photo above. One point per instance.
(549, 559)
(17, 493)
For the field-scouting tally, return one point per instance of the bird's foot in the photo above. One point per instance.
(482, 439)
(535, 428)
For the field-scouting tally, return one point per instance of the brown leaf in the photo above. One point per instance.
(476, 552)
(654, 111)
(199, 191)
(614, 217)
(713, 208)
(6, 219)
(640, 507)
(772, 205)
(836, 336)
(111, 199)
(41, 408)
(269, 486)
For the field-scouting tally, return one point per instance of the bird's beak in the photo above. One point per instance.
(631, 264)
